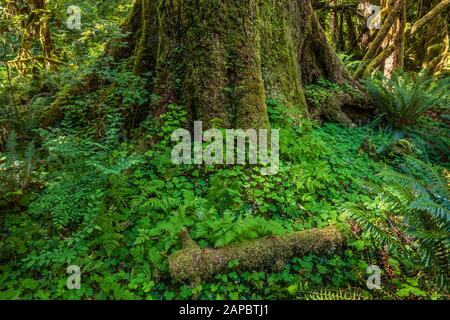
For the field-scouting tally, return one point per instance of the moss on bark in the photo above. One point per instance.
(195, 264)
(223, 59)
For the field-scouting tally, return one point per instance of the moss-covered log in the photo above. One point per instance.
(193, 263)
(223, 59)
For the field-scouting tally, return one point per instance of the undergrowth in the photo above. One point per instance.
(117, 211)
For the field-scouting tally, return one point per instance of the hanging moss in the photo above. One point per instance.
(195, 264)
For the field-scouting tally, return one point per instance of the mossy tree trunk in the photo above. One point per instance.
(396, 38)
(223, 59)
(34, 26)
(393, 14)
(429, 37)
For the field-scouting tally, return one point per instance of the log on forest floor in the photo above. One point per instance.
(195, 264)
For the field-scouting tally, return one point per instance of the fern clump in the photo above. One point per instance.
(17, 170)
(410, 212)
(404, 98)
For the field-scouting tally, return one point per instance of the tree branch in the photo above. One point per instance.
(438, 9)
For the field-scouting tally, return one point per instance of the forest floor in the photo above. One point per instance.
(117, 215)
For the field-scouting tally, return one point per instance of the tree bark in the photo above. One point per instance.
(396, 39)
(35, 26)
(428, 38)
(222, 60)
(438, 9)
(196, 264)
(395, 10)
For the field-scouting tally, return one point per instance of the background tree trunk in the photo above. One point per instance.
(34, 26)
(396, 38)
(429, 38)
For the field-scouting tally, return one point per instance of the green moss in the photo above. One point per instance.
(194, 264)
(327, 100)
(219, 70)
(280, 63)
(144, 57)
(399, 147)
(225, 59)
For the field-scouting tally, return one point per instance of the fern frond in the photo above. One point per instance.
(375, 225)
(403, 98)
(404, 182)
(351, 294)
(434, 209)
(410, 211)
(435, 182)
(11, 147)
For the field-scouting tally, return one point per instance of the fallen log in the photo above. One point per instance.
(195, 264)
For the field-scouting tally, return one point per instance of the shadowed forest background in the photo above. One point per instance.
(358, 89)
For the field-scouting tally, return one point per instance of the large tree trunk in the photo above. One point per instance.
(223, 59)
